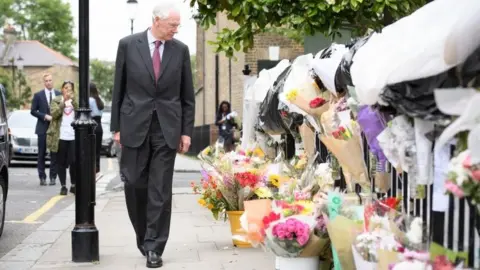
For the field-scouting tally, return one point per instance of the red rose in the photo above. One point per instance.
(317, 102)
(335, 134)
(341, 129)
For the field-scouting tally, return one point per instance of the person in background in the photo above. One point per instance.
(41, 110)
(97, 106)
(61, 135)
(226, 124)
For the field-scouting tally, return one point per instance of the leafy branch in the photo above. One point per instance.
(305, 17)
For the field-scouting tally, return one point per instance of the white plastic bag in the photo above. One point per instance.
(327, 67)
(435, 38)
(299, 81)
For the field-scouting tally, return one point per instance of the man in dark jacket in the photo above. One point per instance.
(41, 110)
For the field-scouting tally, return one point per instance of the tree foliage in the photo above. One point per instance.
(48, 21)
(102, 73)
(20, 94)
(306, 17)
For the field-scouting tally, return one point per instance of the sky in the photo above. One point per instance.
(109, 22)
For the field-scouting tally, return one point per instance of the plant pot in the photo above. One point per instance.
(236, 228)
(303, 263)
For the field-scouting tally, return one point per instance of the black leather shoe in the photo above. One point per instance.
(43, 182)
(142, 250)
(154, 260)
(52, 182)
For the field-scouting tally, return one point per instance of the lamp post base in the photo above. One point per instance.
(85, 246)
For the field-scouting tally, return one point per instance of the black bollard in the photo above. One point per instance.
(85, 234)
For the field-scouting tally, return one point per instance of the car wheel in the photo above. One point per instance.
(3, 200)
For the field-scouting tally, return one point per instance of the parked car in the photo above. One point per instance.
(23, 140)
(108, 145)
(4, 157)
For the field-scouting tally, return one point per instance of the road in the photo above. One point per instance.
(29, 205)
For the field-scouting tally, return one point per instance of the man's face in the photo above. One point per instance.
(167, 28)
(48, 82)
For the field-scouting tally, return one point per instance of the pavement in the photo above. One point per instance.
(29, 205)
(196, 241)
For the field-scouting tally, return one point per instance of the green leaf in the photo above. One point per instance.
(236, 11)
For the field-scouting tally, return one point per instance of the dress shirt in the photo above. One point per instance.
(47, 94)
(151, 44)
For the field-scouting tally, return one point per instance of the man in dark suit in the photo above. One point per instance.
(41, 110)
(153, 111)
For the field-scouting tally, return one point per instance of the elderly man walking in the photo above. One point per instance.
(152, 118)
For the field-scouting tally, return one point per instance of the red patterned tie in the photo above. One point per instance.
(156, 59)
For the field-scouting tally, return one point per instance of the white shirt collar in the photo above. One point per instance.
(51, 90)
(151, 38)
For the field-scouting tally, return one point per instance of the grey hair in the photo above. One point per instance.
(163, 9)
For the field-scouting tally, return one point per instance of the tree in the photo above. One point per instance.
(48, 21)
(306, 17)
(18, 96)
(102, 73)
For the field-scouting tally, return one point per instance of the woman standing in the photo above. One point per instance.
(61, 135)
(226, 125)
(97, 106)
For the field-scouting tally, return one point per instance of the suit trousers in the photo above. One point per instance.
(42, 151)
(148, 175)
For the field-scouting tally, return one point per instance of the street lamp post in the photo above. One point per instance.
(85, 246)
(132, 11)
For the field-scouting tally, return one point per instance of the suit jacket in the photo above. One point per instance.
(39, 109)
(136, 94)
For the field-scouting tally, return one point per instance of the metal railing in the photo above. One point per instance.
(456, 229)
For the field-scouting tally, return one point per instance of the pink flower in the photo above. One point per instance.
(454, 189)
(467, 162)
(476, 175)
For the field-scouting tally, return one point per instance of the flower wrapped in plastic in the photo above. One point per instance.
(342, 138)
(398, 144)
(368, 244)
(463, 180)
(300, 89)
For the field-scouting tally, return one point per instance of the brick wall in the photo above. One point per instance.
(199, 98)
(289, 49)
(206, 68)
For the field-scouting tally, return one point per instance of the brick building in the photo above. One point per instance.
(230, 76)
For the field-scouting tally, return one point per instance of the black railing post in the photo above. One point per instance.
(85, 247)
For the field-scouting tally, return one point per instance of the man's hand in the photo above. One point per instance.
(48, 118)
(184, 144)
(116, 137)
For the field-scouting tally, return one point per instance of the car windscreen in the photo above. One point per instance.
(21, 119)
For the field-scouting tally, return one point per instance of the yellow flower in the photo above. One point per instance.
(263, 192)
(202, 202)
(206, 151)
(258, 152)
(292, 95)
(274, 179)
(210, 206)
(301, 164)
(307, 207)
(253, 171)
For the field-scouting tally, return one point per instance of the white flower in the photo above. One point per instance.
(415, 234)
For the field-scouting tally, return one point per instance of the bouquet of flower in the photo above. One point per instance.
(342, 133)
(371, 245)
(211, 196)
(463, 179)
